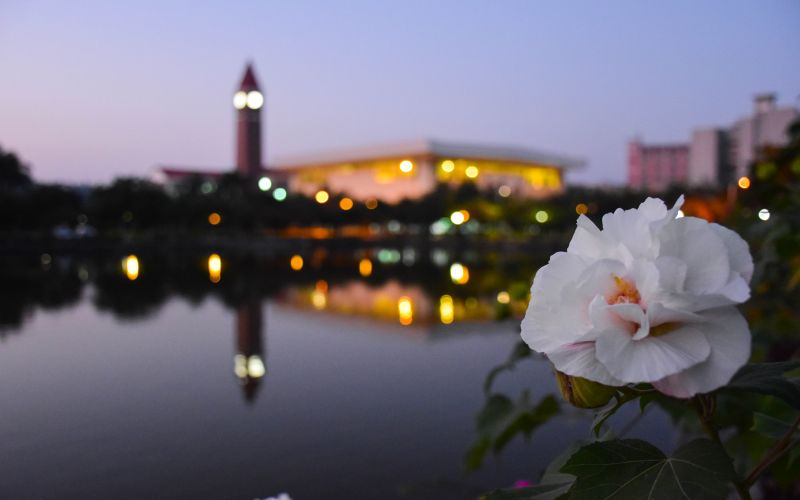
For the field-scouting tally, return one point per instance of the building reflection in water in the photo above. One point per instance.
(248, 362)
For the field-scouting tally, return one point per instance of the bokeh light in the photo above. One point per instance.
(744, 182)
(365, 267)
(214, 268)
(322, 197)
(405, 310)
(459, 273)
(279, 194)
(446, 309)
(130, 266)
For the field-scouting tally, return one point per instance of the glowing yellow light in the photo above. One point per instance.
(365, 267)
(406, 166)
(130, 265)
(371, 203)
(319, 300)
(471, 171)
(744, 182)
(459, 217)
(405, 310)
(322, 197)
(542, 216)
(446, 309)
(504, 191)
(345, 204)
(214, 268)
(255, 366)
(448, 166)
(459, 273)
(214, 218)
(254, 99)
(503, 297)
(581, 208)
(239, 100)
(296, 262)
(240, 365)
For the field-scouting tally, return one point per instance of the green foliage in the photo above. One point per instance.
(768, 378)
(632, 468)
(502, 419)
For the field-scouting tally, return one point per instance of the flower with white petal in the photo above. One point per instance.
(649, 298)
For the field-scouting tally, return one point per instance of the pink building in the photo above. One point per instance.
(657, 167)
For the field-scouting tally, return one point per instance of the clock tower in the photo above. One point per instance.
(248, 101)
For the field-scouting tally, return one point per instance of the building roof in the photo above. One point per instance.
(249, 79)
(429, 147)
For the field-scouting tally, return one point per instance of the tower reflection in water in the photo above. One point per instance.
(248, 362)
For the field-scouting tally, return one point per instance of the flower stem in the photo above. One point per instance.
(705, 405)
(783, 445)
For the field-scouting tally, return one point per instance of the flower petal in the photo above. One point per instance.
(738, 251)
(554, 317)
(652, 358)
(727, 331)
(579, 360)
(702, 250)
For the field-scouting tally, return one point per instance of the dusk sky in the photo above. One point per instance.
(94, 90)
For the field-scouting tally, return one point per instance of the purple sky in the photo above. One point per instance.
(94, 90)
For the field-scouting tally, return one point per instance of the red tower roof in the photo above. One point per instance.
(249, 80)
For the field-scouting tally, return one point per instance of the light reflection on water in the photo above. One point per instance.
(257, 378)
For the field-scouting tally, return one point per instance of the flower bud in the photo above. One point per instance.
(583, 393)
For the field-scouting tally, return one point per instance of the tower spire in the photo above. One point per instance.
(248, 101)
(249, 81)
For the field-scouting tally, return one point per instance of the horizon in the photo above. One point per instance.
(346, 78)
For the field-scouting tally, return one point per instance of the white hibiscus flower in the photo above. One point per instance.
(649, 298)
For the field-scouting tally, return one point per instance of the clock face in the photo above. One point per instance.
(239, 100)
(254, 99)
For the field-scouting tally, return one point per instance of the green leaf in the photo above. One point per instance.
(770, 426)
(501, 420)
(539, 492)
(518, 352)
(768, 378)
(631, 468)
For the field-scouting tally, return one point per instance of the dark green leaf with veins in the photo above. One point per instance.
(635, 469)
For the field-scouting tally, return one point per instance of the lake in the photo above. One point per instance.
(242, 377)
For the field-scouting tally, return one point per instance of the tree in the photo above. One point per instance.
(13, 173)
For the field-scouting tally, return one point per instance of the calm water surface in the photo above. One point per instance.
(255, 385)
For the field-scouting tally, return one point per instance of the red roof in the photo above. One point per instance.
(249, 80)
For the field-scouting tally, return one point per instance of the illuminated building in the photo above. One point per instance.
(390, 173)
(387, 173)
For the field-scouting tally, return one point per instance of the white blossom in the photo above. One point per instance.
(649, 298)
